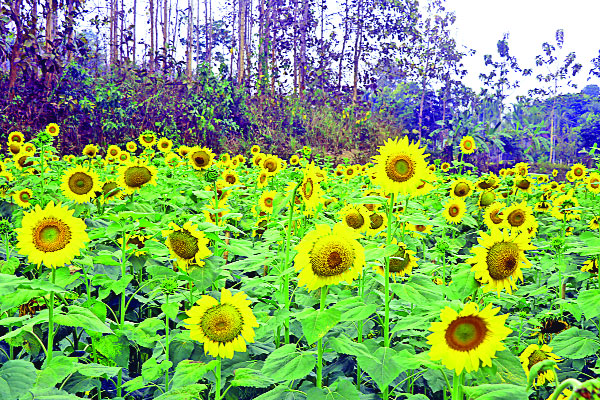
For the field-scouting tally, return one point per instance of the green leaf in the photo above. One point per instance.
(342, 389)
(204, 277)
(16, 378)
(588, 302)
(145, 333)
(575, 343)
(345, 345)
(81, 317)
(249, 377)
(358, 313)
(188, 392)
(501, 391)
(56, 371)
(384, 366)
(509, 368)
(189, 372)
(152, 370)
(97, 370)
(49, 394)
(316, 323)
(419, 290)
(115, 348)
(64, 277)
(286, 364)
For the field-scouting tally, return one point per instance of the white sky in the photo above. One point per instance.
(481, 23)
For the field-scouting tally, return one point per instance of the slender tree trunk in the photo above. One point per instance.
(70, 29)
(122, 40)
(274, 17)
(206, 30)
(50, 29)
(15, 52)
(210, 35)
(134, 25)
(344, 40)
(152, 29)
(303, 33)
(188, 51)
(234, 14)
(165, 33)
(242, 41)
(357, 50)
(295, 40)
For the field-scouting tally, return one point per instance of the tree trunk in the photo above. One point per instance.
(50, 29)
(188, 52)
(344, 40)
(303, 32)
(295, 33)
(274, 17)
(134, 25)
(210, 35)
(165, 33)
(357, 51)
(70, 29)
(242, 41)
(152, 29)
(15, 13)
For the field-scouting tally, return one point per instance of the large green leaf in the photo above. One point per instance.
(189, 372)
(496, 392)
(251, 378)
(342, 389)
(316, 323)
(588, 302)
(16, 378)
(81, 317)
(384, 366)
(509, 368)
(188, 392)
(345, 345)
(97, 370)
(55, 371)
(49, 394)
(287, 364)
(575, 343)
(419, 290)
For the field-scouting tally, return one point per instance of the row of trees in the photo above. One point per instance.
(93, 69)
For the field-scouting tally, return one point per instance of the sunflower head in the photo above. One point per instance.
(80, 184)
(355, 216)
(90, 150)
(16, 137)
(534, 354)
(52, 129)
(23, 198)
(454, 210)
(147, 139)
(467, 145)
(134, 175)
(201, 158)
(187, 244)
(164, 144)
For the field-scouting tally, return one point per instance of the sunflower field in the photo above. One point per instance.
(149, 270)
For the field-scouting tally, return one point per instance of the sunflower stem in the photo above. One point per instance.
(320, 342)
(167, 343)
(286, 278)
(218, 379)
(216, 216)
(386, 321)
(574, 383)
(51, 321)
(457, 384)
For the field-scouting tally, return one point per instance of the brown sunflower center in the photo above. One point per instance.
(222, 323)
(523, 184)
(136, 241)
(137, 176)
(355, 220)
(307, 188)
(400, 168)
(578, 171)
(80, 183)
(495, 218)
(502, 260)
(148, 138)
(420, 228)
(399, 261)
(331, 257)
(114, 152)
(262, 178)
(466, 333)
(14, 148)
(536, 357)
(108, 189)
(376, 221)
(183, 244)
(462, 189)
(201, 158)
(516, 218)
(269, 202)
(24, 197)
(270, 165)
(468, 145)
(230, 179)
(51, 234)
(454, 210)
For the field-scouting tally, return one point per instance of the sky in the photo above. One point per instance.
(481, 23)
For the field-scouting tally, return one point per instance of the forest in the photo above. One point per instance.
(292, 199)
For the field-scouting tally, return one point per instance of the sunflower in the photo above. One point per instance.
(16, 137)
(462, 339)
(266, 201)
(310, 189)
(402, 262)
(349, 172)
(110, 191)
(183, 150)
(135, 175)
(257, 159)
(238, 160)
(486, 198)
(255, 149)
(521, 169)
(90, 150)
(594, 223)
(377, 223)
(262, 179)
(445, 167)
(222, 327)
(356, 217)
(564, 207)
(29, 148)
(137, 242)
(164, 144)
(147, 139)
(52, 129)
(131, 146)
(487, 182)
(187, 244)
(230, 177)
(23, 160)
(201, 158)
(534, 354)
(565, 394)
(498, 259)
(578, 171)
(172, 160)
(519, 217)
(225, 160)
(543, 206)
(272, 164)
(23, 198)
(328, 256)
(80, 184)
(461, 188)
(467, 145)
(454, 210)
(593, 182)
(124, 157)
(294, 160)
(214, 217)
(400, 166)
(14, 147)
(419, 230)
(523, 184)
(590, 266)
(51, 235)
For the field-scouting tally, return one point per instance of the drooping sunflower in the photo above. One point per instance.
(23, 198)
(565, 207)
(402, 262)
(201, 158)
(519, 217)
(493, 216)
(187, 244)
(590, 266)
(461, 340)
(355, 217)
(579, 171)
(183, 150)
(486, 198)
(222, 327)
(328, 256)
(267, 200)
(498, 259)
(14, 147)
(454, 210)
(310, 190)
(542, 206)
(400, 166)
(80, 184)
(461, 188)
(467, 145)
(164, 145)
(16, 137)
(377, 223)
(524, 184)
(147, 139)
(593, 182)
(133, 176)
(487, 182)
(90, 150)
(110, 191)
(272, 164)
(534, 354)
(51, 235)
(52, 129)
(257, 159)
